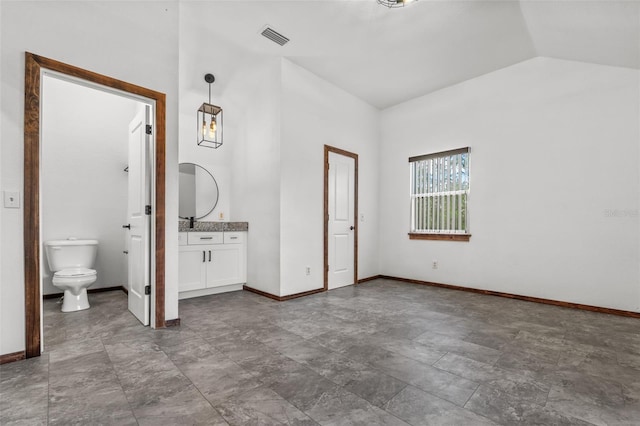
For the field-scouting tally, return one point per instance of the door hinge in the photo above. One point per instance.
(148, 129)
(147, 209)
(147, 289)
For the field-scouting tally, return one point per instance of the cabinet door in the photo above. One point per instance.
(192, 267)
(226, 266)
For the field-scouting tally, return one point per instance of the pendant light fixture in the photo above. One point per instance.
(210, 121)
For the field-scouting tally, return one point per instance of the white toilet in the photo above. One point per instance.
(71, 261)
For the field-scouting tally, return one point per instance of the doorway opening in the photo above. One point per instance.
(36, 68)
(340, 218)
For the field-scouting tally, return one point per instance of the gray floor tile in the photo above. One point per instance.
(445, 343)
(420, 408)
(339, 407)
(508, 409)
(24, 403)
(103, 404)
(380, 353)
(414, 350)
(375, 386)
(185, 403)
(303, 389)
(261, 406)
(75, 348)
(446, 385)
(335, 367)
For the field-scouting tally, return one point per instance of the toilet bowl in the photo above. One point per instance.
(71, 261)
(74, 282)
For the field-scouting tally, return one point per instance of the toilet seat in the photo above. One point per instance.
(75, 273)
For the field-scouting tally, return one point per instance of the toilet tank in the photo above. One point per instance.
(71, 253)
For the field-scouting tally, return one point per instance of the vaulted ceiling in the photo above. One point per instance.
(387, 56)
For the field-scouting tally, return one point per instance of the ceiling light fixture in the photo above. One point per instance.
(395, 3)
(210, 121)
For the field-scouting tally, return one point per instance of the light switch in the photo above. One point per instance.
(12, 199)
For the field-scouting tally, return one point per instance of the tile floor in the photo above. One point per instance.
(380, 353)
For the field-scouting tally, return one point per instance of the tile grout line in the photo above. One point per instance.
(191, 381)
(396, 394)
(471, 396)
(115, 370)
(433, 364)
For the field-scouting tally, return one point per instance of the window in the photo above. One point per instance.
(439, 195)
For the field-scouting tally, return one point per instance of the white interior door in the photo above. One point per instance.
(139, 217)
(341, 220)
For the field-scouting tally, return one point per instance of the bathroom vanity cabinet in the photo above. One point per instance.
(211, 262)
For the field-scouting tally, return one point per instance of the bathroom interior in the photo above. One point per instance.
(87, 185)
(85, 182)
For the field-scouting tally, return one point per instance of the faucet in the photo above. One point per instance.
(191, 222)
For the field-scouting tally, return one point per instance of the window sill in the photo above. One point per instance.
(439, 237)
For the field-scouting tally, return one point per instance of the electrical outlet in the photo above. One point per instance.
(308, 270)
(434, 264)
(12, 199)
(221, 215)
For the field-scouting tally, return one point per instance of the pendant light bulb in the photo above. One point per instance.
(213, 127)
(204, 127)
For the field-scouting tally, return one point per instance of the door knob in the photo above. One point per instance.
(128, 226)
(352, 228)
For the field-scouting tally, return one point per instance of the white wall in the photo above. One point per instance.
(216, 161)
(247, 165)
(554, 151)
(201, 52)
(84, 185)
(133, 41)
(5, 314)
(255, 194)
(316, 113)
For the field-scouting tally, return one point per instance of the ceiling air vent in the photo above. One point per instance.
(274, 36)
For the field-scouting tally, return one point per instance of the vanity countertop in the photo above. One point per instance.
(183, 226)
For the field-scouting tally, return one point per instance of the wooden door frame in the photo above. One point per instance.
(34, 65)
(327, 150)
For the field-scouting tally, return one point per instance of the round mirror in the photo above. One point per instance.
(198, 191)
